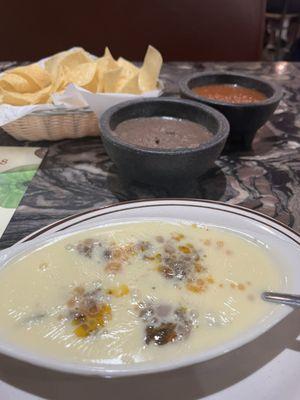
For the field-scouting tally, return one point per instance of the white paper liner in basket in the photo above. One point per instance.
(73, 114)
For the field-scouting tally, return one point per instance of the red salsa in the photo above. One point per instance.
(235, 94)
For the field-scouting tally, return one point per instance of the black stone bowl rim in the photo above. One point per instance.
(218, 136)
(187, 91)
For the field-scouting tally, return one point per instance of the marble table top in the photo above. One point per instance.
(77, 175)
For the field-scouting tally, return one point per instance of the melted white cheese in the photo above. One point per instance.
(35, 289)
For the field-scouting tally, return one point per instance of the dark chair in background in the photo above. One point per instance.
(282, 28)
(213, 30)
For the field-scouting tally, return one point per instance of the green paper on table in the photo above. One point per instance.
(18, 166)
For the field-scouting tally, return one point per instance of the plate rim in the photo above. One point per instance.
(105, 372)
(47, 227)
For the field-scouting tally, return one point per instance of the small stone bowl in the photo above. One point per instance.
(159, 166)
(244, 119)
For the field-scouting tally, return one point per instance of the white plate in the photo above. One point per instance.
(258, 369)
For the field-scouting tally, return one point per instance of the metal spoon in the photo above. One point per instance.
(283, 298)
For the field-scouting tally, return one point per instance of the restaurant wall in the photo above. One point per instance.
(180, 29)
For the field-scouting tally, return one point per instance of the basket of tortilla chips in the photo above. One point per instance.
(63, 96)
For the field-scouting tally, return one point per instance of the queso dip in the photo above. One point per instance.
(135, 292)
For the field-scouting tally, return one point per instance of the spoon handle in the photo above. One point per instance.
(283, 298)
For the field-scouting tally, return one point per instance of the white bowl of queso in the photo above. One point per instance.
(144, 287)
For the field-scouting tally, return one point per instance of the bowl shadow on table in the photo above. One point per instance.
(187, 383)
(211, 185)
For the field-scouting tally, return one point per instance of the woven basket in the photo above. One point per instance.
(54, 125)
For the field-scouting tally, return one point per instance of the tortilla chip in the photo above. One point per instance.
(150, 70)
(83, 75)
(59, 80)
(69, 59)
(129, 68)
(32, 84)
(16, 83)
(38, 77)
(23, 99)
(131, 85)
(111, 79)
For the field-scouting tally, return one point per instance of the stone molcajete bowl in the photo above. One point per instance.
(163, 166)
(244, 119)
